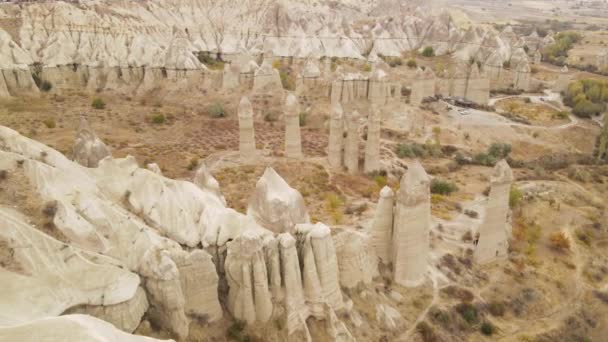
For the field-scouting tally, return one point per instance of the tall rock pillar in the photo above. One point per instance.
(336, 136)
(351, 148)
(372, 145)
(493, 234)
(246, 130)
(382, 226)
(293, 140)
(411, 227)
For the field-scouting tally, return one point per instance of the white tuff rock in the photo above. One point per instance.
(88, 148)
(275, 205)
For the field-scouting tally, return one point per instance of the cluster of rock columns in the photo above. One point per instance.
(400, 232)
(345, 151)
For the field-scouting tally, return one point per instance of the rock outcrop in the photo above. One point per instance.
(293, 140)
(275, 205)
(372, 144)
(319, 268)
(69, 328)
(356, 258)
(411, 227)
(88, 148)
(249, 298)
(423, 86)
(267, 78)
(247, 147)
(351, 146)
(336, 136)
(382, 226)
(493, 234)
(205, 180)
(563, 80)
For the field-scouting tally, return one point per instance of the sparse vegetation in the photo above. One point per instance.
(515, 196)
(428, 52)
(236, 332)
(49, 123)
(216, 110)
(303, 117)
(412, 64)
(557, 53)
(559, 241)
(495, 153)
(158, 118)
(587, 97)
(98, 103)
(271, 116)
(442, 187)
(415, 150)
(487, 328)
(193, 164)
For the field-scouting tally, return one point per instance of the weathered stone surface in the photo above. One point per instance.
(563, 80)
(249, 298)
(382, 226)
(199, 281)
(154, 168)
(88, 148)
(372, 144)
(293, 140)
(478, 86)
(522, 76)
(388, 317)
(356, 258)
(275, 205)
(125, 316)
(336, 136)
(493, 236)
(69, 328)
(423, 86)
(411, 227)
(351, 148)
(267, 78)
(49, 276)
(538, 57)
(230, 76)
(246, 130)
(165, 294)
(319, 268)
(205, 180)
(295, 305)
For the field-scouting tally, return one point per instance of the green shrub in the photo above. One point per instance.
(46, 86)
(193, 164)
(415, 150)
(98, 103)
(158, 118)
(412, 64)
(303, 117)
(380, 181)
(468, 312)
(49, 123)
(515, 196)
(496, 152)
(428, 52)
(497, 308)
(557, 52)
(216, 110)
(271, 116)
(235, 331)
(442, 187)
(487, 328)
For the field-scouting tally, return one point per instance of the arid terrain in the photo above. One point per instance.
(418, 172)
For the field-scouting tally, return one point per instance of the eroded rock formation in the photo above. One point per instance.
(493, 234)
(275, 205)
(247, 147)
(411, 227)
(293, 141)
(88, 148)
